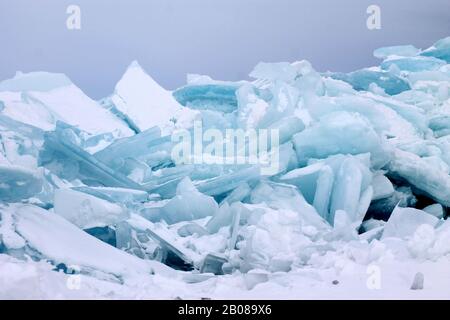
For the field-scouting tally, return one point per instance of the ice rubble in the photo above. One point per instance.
(356, 150)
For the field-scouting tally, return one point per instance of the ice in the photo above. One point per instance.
(87, 211)
(337, 183)
(282, 71)
(213, 264)
(228, 182)
(362, 177)
(63, 242)
(188, 204)
(399, 51)
(436, 210)
(413, 64)
(440, 50)
(362, 79)
(145, 104)
(341, 133)
(216, 97)
(222, 217)
(285, 197)
(69, 161)
(382, 187)
(405, 221)
(119, 195)
(41, 99)
(422, 175)
(17, 183)
(347, 191)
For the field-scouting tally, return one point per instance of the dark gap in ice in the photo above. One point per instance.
(105, 234)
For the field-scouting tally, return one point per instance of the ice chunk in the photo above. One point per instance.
(341, 132)
(362, 79)
(400, 51)
(213, 264)
(305, 179)
(272, 242)
(325, 180)
(411, 113)
(133, 146)
(324, 189)
(188, 204)
(282, 71)
(61, 241)
(8, 237)
(436, 210)
(404, 222)
(281, 196)
(160, 234)
(35, 81)
(87, 211)
(347, 190)
(287, 128)
(251, 108)
(69, 161)
(41, 99)
(191, 228)
(413, 64)
(238, 194)
(382, 187)
(119, 195)
(144, 150)
(440, 50)
(222, 217)
(422, 175)
(217, 97)
(228, 182)
(17, 183)
(146, 104)
(386, 120)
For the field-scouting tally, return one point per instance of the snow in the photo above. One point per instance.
(41, 99)
(146, 103)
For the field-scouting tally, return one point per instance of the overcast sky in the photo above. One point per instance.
(223, 39)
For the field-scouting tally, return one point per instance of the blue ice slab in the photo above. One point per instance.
(228, 182)
(35, 81)
(399, 51)
(188, 204)
(218, 97)
(414, 64)
(69, 161)
(147, 147)
(440, 50)
(341, 133)
(362, 79)
(117, 195)
(17, 183)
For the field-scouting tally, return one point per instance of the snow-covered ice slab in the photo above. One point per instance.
(59, 240)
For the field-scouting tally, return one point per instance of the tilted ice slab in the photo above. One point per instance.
(41, 99)
(63, 242)
(423, 175)
(145, 104)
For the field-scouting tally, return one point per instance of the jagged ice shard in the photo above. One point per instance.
(362, 177)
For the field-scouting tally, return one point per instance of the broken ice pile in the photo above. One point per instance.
(363, 158)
